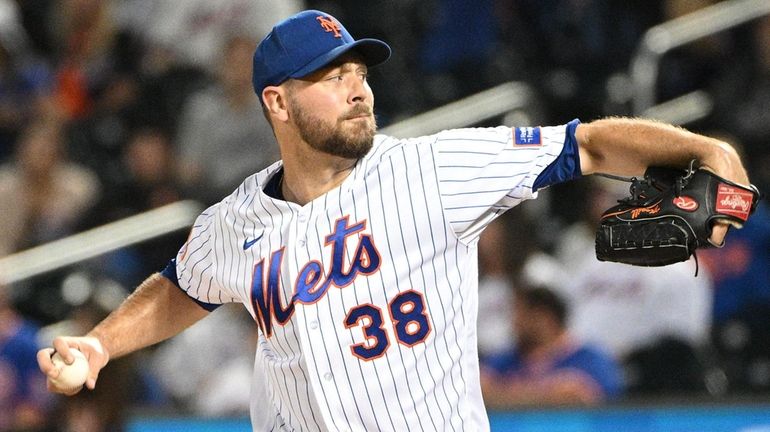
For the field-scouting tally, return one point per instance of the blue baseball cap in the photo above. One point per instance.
(304, 43)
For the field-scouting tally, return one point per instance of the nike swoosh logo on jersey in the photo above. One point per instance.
(249, 243)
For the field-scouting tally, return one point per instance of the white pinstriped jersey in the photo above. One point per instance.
(366, 297)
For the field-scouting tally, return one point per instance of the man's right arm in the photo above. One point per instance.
(156, 311)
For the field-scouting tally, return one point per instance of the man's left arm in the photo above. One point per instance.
(625, 146)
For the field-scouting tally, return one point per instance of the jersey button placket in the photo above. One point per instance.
(302, 219)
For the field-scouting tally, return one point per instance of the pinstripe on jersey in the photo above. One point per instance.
(331, 280)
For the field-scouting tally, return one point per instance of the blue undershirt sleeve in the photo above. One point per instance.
(566, 166)
(170, 273)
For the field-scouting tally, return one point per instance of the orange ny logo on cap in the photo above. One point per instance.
(329, 25)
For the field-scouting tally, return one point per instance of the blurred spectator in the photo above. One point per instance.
(504, 247)
(549, 366)
(146, 181)
(24, 402)
(628, 309)
(85, 38)
(495, 334)
(192, 32)
(223, 135)
(184, 367)
(25, 79)
(12, 34)
(34, 19)
(98, 139)
(625, 308)
(42, 195)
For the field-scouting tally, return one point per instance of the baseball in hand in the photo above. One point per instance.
(73, 376)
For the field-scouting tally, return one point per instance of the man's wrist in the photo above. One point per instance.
(722, 159)
(100, 342)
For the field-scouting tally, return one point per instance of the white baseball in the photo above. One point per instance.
(73, 376)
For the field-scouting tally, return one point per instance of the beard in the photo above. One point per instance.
(347, 139)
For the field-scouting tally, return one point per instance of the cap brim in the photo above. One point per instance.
(373, 51)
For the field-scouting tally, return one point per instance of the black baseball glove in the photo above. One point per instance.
(669, 215)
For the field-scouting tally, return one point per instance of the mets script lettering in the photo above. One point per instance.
(329, 25)
(311, 284)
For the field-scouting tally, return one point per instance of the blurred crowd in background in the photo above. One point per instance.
(110, 108)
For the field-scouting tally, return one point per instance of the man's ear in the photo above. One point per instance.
(274, 98)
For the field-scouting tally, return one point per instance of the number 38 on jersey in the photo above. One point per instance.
(408, 318)
(406, 313)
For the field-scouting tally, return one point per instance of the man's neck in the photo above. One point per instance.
(307, 178)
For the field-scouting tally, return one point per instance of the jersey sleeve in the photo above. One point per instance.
(485, 171)
(195, 264)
